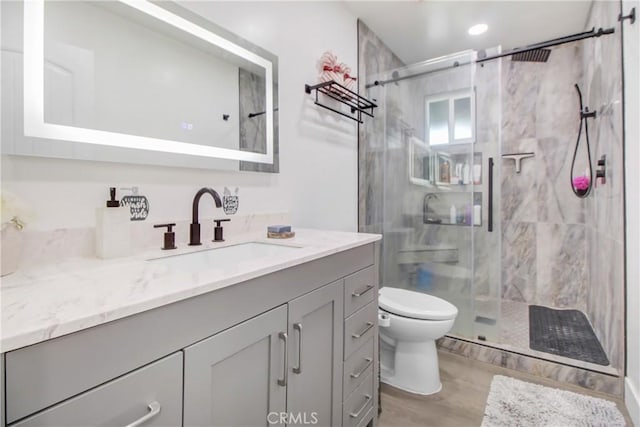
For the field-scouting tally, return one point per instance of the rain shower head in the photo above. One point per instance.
(536, 55)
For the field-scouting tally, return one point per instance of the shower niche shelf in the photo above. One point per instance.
(358, 105)
(464, 209)
(448, 169)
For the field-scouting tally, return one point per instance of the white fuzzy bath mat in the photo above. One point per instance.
(517, 403)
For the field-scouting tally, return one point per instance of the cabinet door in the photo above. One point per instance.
(231, 379)
(151, 395)
(315, 357)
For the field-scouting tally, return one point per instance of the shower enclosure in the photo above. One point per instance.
(465, 172)
(441, 201)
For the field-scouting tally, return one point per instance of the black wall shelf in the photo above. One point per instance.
(358, 104)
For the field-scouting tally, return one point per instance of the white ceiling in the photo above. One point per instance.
(421, 30)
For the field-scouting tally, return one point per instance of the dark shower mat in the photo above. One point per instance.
(564, 333)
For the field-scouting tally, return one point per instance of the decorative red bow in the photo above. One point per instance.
(335, 68)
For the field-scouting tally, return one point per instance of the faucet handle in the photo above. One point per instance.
(217, 231)
(169, 236)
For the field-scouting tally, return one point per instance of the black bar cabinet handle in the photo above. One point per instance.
(490, 202)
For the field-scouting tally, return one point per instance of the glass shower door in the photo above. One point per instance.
(435, 182)
(487, 274)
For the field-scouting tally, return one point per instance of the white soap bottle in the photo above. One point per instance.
(466, 174)
(453, 215)
(477, 214)
(113, 229)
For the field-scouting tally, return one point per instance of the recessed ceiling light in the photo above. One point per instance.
(478, 29)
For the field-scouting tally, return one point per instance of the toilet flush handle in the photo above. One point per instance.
(384, 320)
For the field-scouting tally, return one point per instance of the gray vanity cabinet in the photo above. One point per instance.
(240, 376)
(315, 357)
(237, 376)
(296, 346)
(150, 396)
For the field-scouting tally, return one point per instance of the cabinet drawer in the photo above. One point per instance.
(359, 327)
(367, 418)
(154, 391)
(359, 289)
(357, 367)
(358, 404)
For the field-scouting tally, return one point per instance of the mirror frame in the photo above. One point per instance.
(33, 74)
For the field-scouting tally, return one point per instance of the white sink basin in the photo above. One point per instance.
(206, 259)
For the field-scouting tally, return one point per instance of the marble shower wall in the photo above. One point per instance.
(602, 92)
(544, 257)
(374, 59)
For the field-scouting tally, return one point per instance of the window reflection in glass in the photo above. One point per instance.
(439, 122)
(462, 118)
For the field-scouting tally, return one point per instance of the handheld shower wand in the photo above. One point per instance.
(584, 115)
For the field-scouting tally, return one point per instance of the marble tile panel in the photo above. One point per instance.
(486, 263)
(561, 266)
(519, 201)
(487, 82)
(374, 58)
(605, 304)
(520, 86)
(557, 106)
(608, 196)
(519, 273)
(556, 201)
(585, 378)
(44, 247)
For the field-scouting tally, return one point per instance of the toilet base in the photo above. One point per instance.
(415, 367)
(389, 380)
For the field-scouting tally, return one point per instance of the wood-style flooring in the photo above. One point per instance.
(465, 388)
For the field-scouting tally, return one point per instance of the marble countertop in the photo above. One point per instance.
(54, 300)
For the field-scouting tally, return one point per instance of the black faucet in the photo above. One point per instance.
(195, 225)
(425, 208)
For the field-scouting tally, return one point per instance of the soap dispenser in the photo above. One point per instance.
(113, 229)
(453, 215)
(466, 174)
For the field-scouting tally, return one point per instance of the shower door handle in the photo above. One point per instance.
(490, 197)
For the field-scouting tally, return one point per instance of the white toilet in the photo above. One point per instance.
(410, 322)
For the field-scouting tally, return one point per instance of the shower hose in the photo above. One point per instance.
(584, 114)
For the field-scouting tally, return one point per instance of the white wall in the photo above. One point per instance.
(139, 76)
(318, 150)
(631, 40)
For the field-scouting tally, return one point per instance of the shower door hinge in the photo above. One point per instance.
(631, 16)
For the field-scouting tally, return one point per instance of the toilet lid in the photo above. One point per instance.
(415, 304)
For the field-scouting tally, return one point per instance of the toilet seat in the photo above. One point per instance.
(415, 305)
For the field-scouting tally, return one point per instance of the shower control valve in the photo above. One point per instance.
(601, 172)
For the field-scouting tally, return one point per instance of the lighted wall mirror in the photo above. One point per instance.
(135, 81)
(450, 118)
